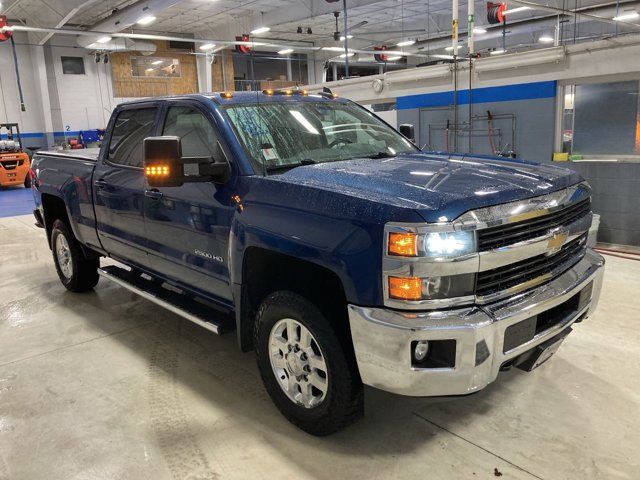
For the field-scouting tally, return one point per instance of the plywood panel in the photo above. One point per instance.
(125, 85)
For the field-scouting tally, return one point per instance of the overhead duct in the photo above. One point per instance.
(524, 59)
(145, 47)
(417, 74)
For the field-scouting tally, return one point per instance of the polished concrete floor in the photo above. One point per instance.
(105, 385)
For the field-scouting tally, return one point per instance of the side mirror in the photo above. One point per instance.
(162, 161)
(408, 131)
(164, 165)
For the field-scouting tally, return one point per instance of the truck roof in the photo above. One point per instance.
(246, 97)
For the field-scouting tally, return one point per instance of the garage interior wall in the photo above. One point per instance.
(31, 120)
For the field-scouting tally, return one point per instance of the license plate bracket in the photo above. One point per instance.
(540, 354)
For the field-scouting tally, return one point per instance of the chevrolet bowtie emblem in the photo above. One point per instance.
(556, 242)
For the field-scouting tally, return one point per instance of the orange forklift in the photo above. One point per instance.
(14, 161)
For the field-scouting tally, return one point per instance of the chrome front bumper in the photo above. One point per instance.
(382, 337)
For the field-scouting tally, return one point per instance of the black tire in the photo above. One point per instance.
(344, 400)
(27, 181)
(84, 271)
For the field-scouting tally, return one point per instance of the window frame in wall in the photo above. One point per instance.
(64, 62)
(569, 105)
(150, 61)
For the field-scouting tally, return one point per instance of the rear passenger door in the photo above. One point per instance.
(119, 184)
(188, 226)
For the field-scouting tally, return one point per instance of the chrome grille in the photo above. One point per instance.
(537, 267)
(502, 235)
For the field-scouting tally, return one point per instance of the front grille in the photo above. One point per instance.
(502, 235)
(517, 273)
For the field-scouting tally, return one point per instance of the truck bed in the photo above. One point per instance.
(85, 154)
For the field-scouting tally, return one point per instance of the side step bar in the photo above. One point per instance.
(175, 302)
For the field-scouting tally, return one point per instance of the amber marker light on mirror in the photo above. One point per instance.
(405, 288)
(226, 95)
(157, 170)
(403, 244)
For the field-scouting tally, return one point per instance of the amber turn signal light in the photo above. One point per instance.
(403, 244)
(156, 170)
(405, 288)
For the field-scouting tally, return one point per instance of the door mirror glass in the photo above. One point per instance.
(163, 161)
(407, 130)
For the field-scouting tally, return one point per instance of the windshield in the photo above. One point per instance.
(282, 135)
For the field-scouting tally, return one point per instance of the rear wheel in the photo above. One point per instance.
(76, 272)
(304, 367)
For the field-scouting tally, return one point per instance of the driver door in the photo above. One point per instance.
(188, 226)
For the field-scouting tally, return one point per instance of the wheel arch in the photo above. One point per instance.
(277, 271)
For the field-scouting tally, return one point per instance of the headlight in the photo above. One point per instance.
(436, 245)
(431, 288)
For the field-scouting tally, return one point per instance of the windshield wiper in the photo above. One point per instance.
(381, 155)
(287, 166)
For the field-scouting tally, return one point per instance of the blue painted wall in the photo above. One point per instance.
(533, 105)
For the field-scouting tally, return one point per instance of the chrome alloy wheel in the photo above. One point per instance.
(298, 363)
(63, 254)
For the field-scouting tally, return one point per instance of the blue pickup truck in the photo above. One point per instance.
(333, 247)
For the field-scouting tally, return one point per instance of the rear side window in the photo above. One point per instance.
(131, 128)
(193, 128)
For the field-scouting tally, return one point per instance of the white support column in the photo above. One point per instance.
(289, 70)
(203, 68)
(42, 89)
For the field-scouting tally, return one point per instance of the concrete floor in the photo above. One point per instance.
(106, 385)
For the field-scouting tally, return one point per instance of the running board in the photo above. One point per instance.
(178, 303)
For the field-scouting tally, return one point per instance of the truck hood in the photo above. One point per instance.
(438, 187)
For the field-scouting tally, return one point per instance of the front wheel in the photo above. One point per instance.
(304, 367)
(76, 272)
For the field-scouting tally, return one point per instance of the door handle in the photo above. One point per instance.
(101, 183)
(153, 193)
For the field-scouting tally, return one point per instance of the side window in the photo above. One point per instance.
(131, 128)
(197, 134)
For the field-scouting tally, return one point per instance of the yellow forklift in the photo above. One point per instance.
(14, 161)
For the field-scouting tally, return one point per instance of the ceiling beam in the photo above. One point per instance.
(64, 20)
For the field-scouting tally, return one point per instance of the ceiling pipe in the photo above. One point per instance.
(526, 26)
(144, 36)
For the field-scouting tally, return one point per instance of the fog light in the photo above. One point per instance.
(420, 350)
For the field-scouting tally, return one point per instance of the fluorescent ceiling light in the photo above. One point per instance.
(630, 15)
(443, 57)
(499, 51)
(479, 30)
(515, 10)
(304, 122)
(349, 37)
(157, 62)
(259, 30)
(146, 20)
(394, 58)
(545, 39)
(285, 51)
(149, 69)
(405, 43)
(450, 48)
(350, 54)
(104, 39)
(208, 46)
(333, 49)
